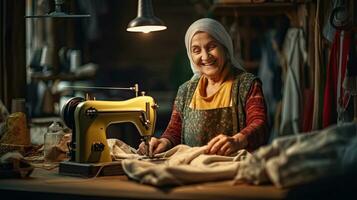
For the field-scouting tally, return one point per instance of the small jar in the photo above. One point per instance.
(53, 152)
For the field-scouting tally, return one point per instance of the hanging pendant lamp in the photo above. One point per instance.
(145, 21)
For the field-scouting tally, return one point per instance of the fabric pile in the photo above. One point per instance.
(288, 161)
(295, 160)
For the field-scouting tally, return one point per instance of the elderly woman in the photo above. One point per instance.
(222, 106)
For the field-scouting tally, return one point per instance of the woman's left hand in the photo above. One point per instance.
(225, 145)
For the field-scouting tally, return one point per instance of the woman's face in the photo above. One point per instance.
(207, 54)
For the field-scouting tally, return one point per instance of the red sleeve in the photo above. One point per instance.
(173, 130)
(256, 118)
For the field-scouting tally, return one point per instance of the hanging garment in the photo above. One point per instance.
(270, 75)
(328, 30)
(350, 81)
(318, 73)
(336, 70)
(292, 103)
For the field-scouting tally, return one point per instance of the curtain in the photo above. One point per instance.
(12, 51)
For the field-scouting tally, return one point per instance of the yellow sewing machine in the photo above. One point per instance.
(89, 119)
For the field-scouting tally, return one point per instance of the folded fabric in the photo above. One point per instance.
(184, 165)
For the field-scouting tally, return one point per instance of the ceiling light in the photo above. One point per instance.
(145, 21)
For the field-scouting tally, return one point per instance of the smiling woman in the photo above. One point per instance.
(221, 106)
(208, 56)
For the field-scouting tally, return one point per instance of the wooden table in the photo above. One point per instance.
(48, 184)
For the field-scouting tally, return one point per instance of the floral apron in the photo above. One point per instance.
(200, 126)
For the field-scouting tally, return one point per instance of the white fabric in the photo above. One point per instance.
(217, 31)
(184, 165)
(292, 102)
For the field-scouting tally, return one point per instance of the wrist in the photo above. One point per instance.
(241, 139)
(167, 143)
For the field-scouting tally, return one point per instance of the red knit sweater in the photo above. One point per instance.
(256, 121)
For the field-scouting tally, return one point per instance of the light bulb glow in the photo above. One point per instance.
(146, 29)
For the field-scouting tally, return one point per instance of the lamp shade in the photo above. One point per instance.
(145, 21)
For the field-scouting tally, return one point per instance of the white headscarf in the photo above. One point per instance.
(217, 31)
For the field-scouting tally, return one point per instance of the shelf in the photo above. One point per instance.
(254, 9)
(61, 76)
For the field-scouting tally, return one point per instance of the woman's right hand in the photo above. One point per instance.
(155, 146)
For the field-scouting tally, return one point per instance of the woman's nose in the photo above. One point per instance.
(205, 55)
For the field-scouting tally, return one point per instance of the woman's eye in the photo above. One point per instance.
(195, 50)
(211, 47)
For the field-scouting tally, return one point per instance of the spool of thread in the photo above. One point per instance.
(75, 60)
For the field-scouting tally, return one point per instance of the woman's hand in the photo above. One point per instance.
(225, 145)
(156, 146)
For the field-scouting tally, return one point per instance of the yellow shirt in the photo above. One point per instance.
(220, 99)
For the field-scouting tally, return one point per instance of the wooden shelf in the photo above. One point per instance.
(254, 9)
(235, 9)
(61, 76)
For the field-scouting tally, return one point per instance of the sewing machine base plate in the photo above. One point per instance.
(90, 169)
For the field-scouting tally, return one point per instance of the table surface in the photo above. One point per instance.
(119, 187)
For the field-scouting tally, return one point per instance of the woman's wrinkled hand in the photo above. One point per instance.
(155, 146)
(225, 145)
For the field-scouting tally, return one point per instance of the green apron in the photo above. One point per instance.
(200, 126)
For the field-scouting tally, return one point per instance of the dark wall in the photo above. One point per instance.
(12, 51)
(148, 59)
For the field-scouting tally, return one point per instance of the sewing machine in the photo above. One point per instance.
(89, 118)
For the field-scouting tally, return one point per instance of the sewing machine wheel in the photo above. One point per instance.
(67, 112)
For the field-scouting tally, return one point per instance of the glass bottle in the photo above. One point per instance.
(52, 139)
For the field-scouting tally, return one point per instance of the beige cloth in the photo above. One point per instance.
(184, 165)
(287, 162)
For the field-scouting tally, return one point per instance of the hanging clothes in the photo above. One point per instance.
(270, 75)
(336, 70)
(318, 73)
(328, 29)
(292, 103)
